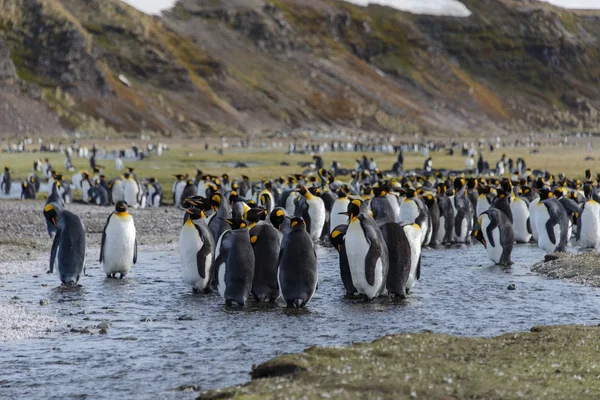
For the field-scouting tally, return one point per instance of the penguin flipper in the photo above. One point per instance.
(135, 252)
(54, 250)
(104, 241)
(203, 253)
(419, 269)
(550, 229)
(529, 226)
(373, 255)
(490, 231)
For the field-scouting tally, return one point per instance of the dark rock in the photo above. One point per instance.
(185, 318)
(44, 302)
(512, 286)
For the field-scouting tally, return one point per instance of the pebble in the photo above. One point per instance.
(104, 325)
(512, 286)
(44, 302)
(185, 318)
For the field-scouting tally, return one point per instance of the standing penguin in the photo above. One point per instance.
(314, 213)
(155, 193)
(400, 258)
(463, 213)
(337, 240)
(234, 263)
(412, 211)
(27, 191)
(5, 183)
(298, 271)
(118, 249)
(446, 228)
(588, 232)
(496, 234)
(382, 209)
(131, 190)
(68, 248)
(266, 241)
(367, 252)
(339, 206)
(552, 223)
(222, 211)
(484, 200)
(178, 187)
(196, 250)
(188, 191)
(434, 215)
(521, 221)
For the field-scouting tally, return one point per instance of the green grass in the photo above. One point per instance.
(180, 159)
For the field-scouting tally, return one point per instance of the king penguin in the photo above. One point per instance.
(463, 213)
(314, 214)
(552, 223)
(196, 250)
(400, 258)
(367, 252)
(234, 263)
(266, 242)
(336, 238)
(68, 248)
(588, 232)
(118, 249)
(496, 234)
(339, 206)
(297, 268)
(131, 190)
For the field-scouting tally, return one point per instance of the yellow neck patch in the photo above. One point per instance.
(122, 214)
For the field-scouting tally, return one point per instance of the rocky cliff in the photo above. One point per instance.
(250, 66)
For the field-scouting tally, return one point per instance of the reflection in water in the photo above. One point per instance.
(162, 336)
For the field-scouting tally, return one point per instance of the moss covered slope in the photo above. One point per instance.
(549, 363)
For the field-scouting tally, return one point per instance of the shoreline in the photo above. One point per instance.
(542, 363)
(581, 268)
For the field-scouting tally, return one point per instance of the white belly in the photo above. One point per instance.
(178, 192)
(482, 205)
(340, 205)
(589, 231)
(290, 207)
(441, 233)
(494, 252)
(409, 211)
(221, 284)
(357, 248)
(119, 245)
(201, 191)
(130, 193)
(118, 193)
(520, 214)
(413, 233)
(85, 188)
(190, 244)
(316, 211)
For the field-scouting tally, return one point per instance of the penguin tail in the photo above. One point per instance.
(298, 303)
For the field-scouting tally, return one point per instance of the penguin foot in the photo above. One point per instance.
(195, 291)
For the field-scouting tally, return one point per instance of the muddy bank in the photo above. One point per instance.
(581, 268)
(548, 362)
(25, 244)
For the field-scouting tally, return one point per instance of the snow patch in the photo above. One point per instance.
(451, 8)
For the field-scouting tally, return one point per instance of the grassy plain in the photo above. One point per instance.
(185, 159)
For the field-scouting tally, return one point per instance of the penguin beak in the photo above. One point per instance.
(53, 221)
(188, 211)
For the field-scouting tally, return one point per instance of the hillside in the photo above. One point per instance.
(214, 67)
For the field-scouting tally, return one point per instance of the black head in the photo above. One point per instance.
(379, 192)
(237, 223)
(256, 214)
(195, 213)
(478, 235)
(297, 223)
(459, 183)
(559, 192)
(51, 213)
(277, 217)
(506, 185)
(545, 193)
(215, 199)
(179, 177)
(337, 236)
(429, 199)
(353, 209)
(502, 194)
(301, 189)
(121, 206)
(126, 175)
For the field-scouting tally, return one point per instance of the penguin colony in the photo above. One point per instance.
(257, 239)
